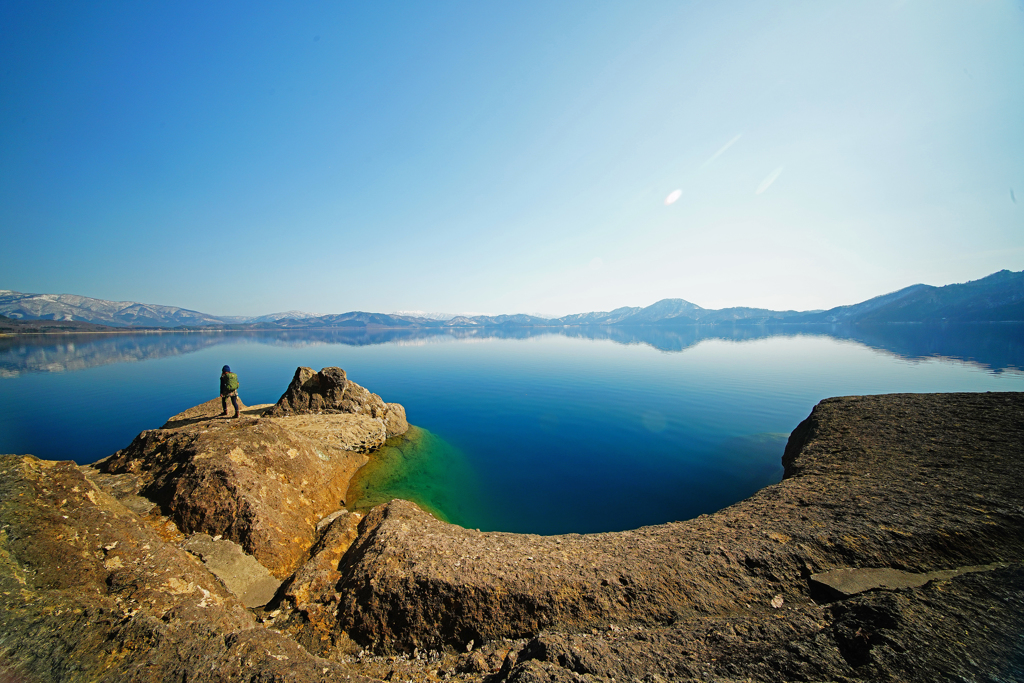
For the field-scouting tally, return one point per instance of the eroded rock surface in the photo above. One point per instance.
(313, 590)
(312, 392)
(945, 631)
(330, 391)
(917, 497)
(261, 482)
(250, 480)
(89, 592)
(916, 483)
(344, 431)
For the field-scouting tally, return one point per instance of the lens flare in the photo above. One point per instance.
(767, 182)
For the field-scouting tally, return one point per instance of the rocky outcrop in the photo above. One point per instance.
(330, 391)
(893, 550)
(142, 566)
(915, 483)
(250, 480)
(261, 482)
(90, 592)
(312, 392)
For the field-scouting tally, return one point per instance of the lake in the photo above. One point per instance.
(527, 430)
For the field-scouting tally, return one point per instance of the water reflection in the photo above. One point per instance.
(69, 352)
(994, 346)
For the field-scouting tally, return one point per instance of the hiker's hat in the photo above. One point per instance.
(226, 368)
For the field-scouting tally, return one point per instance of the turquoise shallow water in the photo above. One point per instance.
(528, 431)
(422, 467)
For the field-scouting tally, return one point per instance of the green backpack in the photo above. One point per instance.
(231, 381)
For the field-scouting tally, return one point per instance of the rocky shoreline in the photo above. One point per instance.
(212, 550)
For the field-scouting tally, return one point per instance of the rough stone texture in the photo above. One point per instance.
(946, 631)
(917, 483)
(311, 595)
(329, 391)
(914, 485)
(312, 392)
(344, 431)
(89, 592)
(395, 420)
(251, 480)
(261, 482)
(247, 579)
(315, 582)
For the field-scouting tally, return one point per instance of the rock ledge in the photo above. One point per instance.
(907, 507)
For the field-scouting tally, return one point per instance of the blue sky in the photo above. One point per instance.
(244, 158)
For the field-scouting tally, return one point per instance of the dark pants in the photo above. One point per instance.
(234, 401)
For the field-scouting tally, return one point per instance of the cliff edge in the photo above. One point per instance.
(891, 551)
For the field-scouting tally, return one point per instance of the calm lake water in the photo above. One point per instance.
(519, 430)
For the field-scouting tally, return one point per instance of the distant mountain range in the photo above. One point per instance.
(998, 297)
(74, 308)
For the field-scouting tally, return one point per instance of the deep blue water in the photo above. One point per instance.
(529, 431)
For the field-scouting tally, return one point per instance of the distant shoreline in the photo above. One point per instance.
(441, 329)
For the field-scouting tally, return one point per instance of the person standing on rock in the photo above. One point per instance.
(228, 387)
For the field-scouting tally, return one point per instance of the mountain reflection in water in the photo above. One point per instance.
(539, 430)
(994, 346)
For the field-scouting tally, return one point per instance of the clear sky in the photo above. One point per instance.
(500, 157)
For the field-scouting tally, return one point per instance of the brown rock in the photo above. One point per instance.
(89, 592)
(329, 391)
(961, 629)
(311, 392)
(473, 663)
(918, 483)
(252, 481)
(395, 420)
(247, 579)
(886, 491)
(211, 410)
(310, 598)
(533, 671)
(262, 483)
(346, 432)
(315, 583)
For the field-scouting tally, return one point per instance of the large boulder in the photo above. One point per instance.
(330, 391)
(312, 392)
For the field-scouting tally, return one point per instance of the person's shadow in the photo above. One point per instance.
(211, 410)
